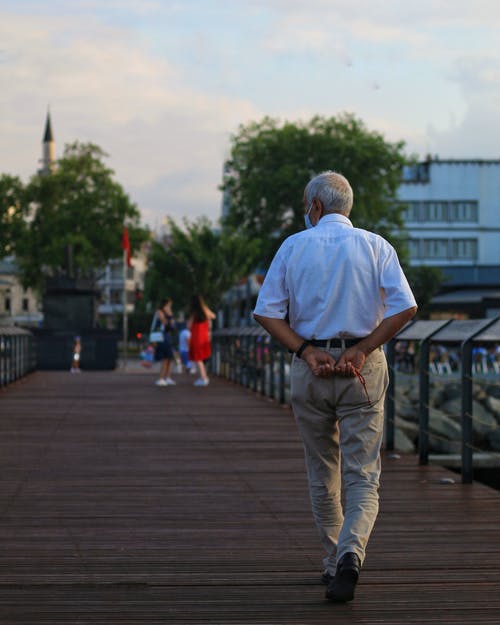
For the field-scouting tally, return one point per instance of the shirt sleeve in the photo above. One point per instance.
(396, 292)
(273, 295)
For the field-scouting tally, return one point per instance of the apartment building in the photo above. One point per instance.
(110, 287)
(452, 214)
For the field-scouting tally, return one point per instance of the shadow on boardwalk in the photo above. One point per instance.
(126, 503)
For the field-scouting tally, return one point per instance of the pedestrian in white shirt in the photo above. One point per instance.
(333, 295)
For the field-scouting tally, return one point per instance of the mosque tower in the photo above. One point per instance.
(49, 149)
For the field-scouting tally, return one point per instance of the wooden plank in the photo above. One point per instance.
(121, 502)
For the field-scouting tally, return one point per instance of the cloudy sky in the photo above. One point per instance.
(161, 85)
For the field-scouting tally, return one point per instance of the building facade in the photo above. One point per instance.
(452, 214)
(18, 306)
(110, 287)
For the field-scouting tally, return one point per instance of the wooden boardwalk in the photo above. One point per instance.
(126, 503)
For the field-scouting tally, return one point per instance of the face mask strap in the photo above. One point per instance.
(307, 219)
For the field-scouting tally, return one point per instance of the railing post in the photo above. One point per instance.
(282, 375)
(236, 343)
(227, 357)
(467, 391)
(271, 368)
(423, 396)
(423, 403)
(2, 360)
(390, 398)
(215, 347)
(10, 352)
(467, 431)
(245, 343)
(262, 364)
(17, 354)
(232, 360)
(255, 364)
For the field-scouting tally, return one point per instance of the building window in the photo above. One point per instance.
(463, 211)
(116, 273)
(441, 211)
(435, 248)
(464, 248)
(443, 249)
(416, 173)
(411, 211)
(436, 211)
(7, 304)
(413, 248)
(26, 304)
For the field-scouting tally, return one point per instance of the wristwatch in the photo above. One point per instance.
(305, 344)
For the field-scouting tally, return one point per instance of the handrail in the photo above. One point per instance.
(249, 356)
(17, 354)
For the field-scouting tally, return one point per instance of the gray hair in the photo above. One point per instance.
(333, 190)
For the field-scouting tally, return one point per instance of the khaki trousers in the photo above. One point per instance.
(342, 436)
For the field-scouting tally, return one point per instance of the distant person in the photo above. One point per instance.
(147, 356)
(164, 351)
(333, 295)
(199, 344)
(77, 350)
(184, 338)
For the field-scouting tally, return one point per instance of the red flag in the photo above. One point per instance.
(126, 245)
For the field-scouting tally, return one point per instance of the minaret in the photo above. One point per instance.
(49, 149)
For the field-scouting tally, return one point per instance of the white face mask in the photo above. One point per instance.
(307, 219)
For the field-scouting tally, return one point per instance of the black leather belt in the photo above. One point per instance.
(329, 343)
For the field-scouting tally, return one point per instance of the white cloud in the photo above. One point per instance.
(428, 29)
(108, 88)
(161, 85)
(477, 134)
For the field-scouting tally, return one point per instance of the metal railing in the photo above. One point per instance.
(248, 356)
(17, 354)
(463, 335)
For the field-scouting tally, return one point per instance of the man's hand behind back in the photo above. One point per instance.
(352, 355)
(320, 362)
(323, 365)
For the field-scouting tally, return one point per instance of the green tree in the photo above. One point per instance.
(198, 259)
(78, 206)
(270, 164)
(12, 213)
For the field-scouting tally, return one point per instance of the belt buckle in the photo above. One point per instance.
(337, 340)
(330, 343)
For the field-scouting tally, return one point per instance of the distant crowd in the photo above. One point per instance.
(445, 359)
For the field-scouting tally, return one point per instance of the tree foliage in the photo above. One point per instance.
(198, 259)
(12, 213)
(78, 205)
(270, 164)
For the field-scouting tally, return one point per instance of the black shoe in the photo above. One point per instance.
(326, 577)
(341, 588)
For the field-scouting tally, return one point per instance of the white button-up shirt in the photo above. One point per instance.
(334, 280)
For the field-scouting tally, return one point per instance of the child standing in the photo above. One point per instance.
(77, 350)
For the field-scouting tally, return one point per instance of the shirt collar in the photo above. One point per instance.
(335, 218)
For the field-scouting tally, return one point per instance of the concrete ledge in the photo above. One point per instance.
(480, 460)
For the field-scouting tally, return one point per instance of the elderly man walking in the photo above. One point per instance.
(333, 295)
